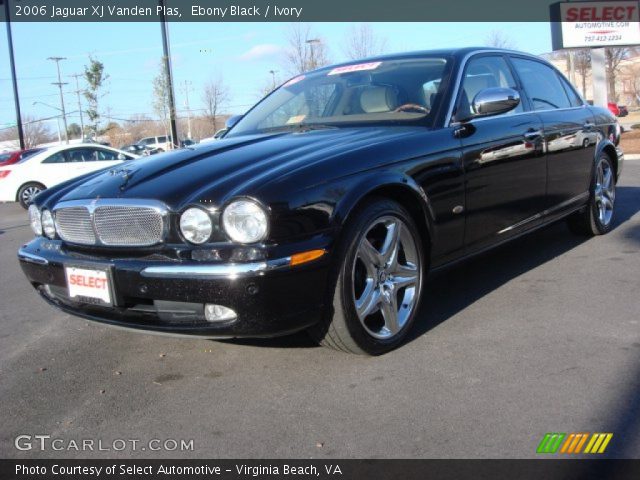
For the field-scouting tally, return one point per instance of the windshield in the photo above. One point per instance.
(387, 91)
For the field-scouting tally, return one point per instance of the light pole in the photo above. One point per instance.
(57, 119)
(60, 83)
(14, 81)
(168, 72)
(312, 60)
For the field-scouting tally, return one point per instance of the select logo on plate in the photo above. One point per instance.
(574, 443)
(88, 283)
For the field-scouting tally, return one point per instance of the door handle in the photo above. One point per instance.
(533, 134)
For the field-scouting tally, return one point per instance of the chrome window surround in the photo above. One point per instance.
(92, 205)
(452, 103)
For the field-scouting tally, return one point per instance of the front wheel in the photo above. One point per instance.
(597, 218)
(379, 281)
(28, 192)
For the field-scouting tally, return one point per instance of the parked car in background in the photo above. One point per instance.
(140, 150)
(187, 142)
(22, 181)
(160, 143)
(326, 205)
(623, 111)
(613, 108)
(9, 158)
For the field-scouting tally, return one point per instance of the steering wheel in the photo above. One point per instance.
(412, 107)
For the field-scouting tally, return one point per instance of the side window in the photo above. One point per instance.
(106, 155)
(82, 155)
(58, 157)
(541, 84)
(146, 141)
(162, 139)
(481, 73)
(574, 99)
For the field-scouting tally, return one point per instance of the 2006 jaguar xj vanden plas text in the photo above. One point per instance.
(324, 207)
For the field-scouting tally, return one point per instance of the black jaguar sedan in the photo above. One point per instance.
(326, 205)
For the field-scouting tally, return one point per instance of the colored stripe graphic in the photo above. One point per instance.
(551, 442)
(598, 443)
(573, 443)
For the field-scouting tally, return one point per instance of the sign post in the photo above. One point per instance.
(599, 77)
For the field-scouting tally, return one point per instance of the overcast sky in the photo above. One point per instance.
(243, 53)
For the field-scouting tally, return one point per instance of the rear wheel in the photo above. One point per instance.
(379, 282)
(28, 192)
(597, 218)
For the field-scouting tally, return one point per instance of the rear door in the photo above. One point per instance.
(503, 158)
(569, 131)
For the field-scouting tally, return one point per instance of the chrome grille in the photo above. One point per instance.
(74, 225)
(116, 223)
(128, 226)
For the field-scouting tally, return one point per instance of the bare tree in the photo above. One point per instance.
(613, 57)
(35, 133)
(361, 42)
(632, 75)
(499, 39)
(582, 64)
(215, 97)
(306, 50)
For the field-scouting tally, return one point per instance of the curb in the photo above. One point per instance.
(634, 156)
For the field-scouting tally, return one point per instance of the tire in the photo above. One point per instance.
(597, 217)
(378, 270)
(27, 193)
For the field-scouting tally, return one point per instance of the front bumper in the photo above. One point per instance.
(269, 297)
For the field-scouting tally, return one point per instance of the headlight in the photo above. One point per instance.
(195, 225)
(34, 220)
(48, 227)
(245, 221)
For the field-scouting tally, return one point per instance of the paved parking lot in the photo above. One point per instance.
(540, 336)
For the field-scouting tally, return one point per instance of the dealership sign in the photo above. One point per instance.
(595, 24)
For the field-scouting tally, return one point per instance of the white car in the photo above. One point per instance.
(22, 181)
(162, 143)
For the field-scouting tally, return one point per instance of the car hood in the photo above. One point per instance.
(214, 172)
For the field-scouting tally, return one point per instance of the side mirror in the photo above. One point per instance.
(231, 121)
(494, 101)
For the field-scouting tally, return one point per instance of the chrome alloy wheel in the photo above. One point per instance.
(29, 193)
(605, 192)
(386, 277)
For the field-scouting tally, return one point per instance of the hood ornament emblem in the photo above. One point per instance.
(125, 173)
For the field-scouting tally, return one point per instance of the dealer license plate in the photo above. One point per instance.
(88, 285)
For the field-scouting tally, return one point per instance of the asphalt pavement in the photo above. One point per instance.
(542, 335)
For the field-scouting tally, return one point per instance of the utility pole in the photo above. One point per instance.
(167, 64)
(60, 83)
(187, 87)
(14, 81)
(78, 92)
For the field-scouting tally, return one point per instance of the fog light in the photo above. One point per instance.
(218, 313)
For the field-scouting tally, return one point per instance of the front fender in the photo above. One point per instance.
(388, 183)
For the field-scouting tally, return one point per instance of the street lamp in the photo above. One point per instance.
(57, 119)
(312, 60)
(273, 77)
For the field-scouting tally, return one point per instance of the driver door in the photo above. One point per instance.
(503, 158)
